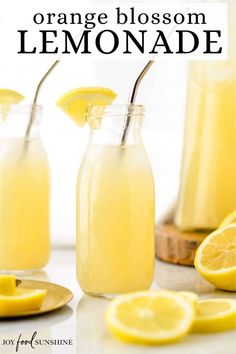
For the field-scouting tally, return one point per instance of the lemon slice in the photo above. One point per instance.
(149, 317)
(7, 284)
(75, 103)
(215, 315)
(8, 97)
(23, 300)
(229, 219)
(215, 258)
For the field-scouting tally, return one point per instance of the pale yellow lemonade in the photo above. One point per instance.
(24, 204)
(115, 220)
(208, 182)
(115, 195)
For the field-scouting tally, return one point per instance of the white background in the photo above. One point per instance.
(162, 92)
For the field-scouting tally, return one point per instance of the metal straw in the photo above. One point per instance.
(132, 101)
(125, 130)
(40, 84)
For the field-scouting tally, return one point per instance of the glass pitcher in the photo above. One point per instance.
(115, 206)
(24, 192)
(208, 180)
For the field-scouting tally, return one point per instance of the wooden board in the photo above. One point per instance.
(175, 246)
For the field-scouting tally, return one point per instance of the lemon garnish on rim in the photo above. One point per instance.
(23, 300)
(229, 219)
(215, 315)
(75, 103)
(215, 258)
(8, 97)
(150, 317)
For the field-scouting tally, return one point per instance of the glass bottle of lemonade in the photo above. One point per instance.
(24, 192)
(115, 206)
(208, 181)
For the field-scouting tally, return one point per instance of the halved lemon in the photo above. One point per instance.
(215, 258)
(150, 317)
(215, 315)
(8, 97)
(7, 284)
(229, 219)
(75, 103)
(23, 300)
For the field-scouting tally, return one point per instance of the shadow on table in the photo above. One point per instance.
(184, 278)
(49, 319)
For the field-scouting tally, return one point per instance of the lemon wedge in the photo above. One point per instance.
(215, 258)
(7, 284)
(150, 317)
(23, 300)
(75, 103)
(215, 315)
(8, 97)
(229, 219)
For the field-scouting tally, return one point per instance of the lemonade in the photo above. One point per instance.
(115, 195)
(208, 189)
(24, 204)
(115, 220)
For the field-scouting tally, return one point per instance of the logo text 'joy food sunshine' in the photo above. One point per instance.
(197, 31)
(33, 342)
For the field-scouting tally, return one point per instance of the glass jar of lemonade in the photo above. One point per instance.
(115, 206)
(24, 192)
(208, 179)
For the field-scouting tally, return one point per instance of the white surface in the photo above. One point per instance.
(82, 321)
